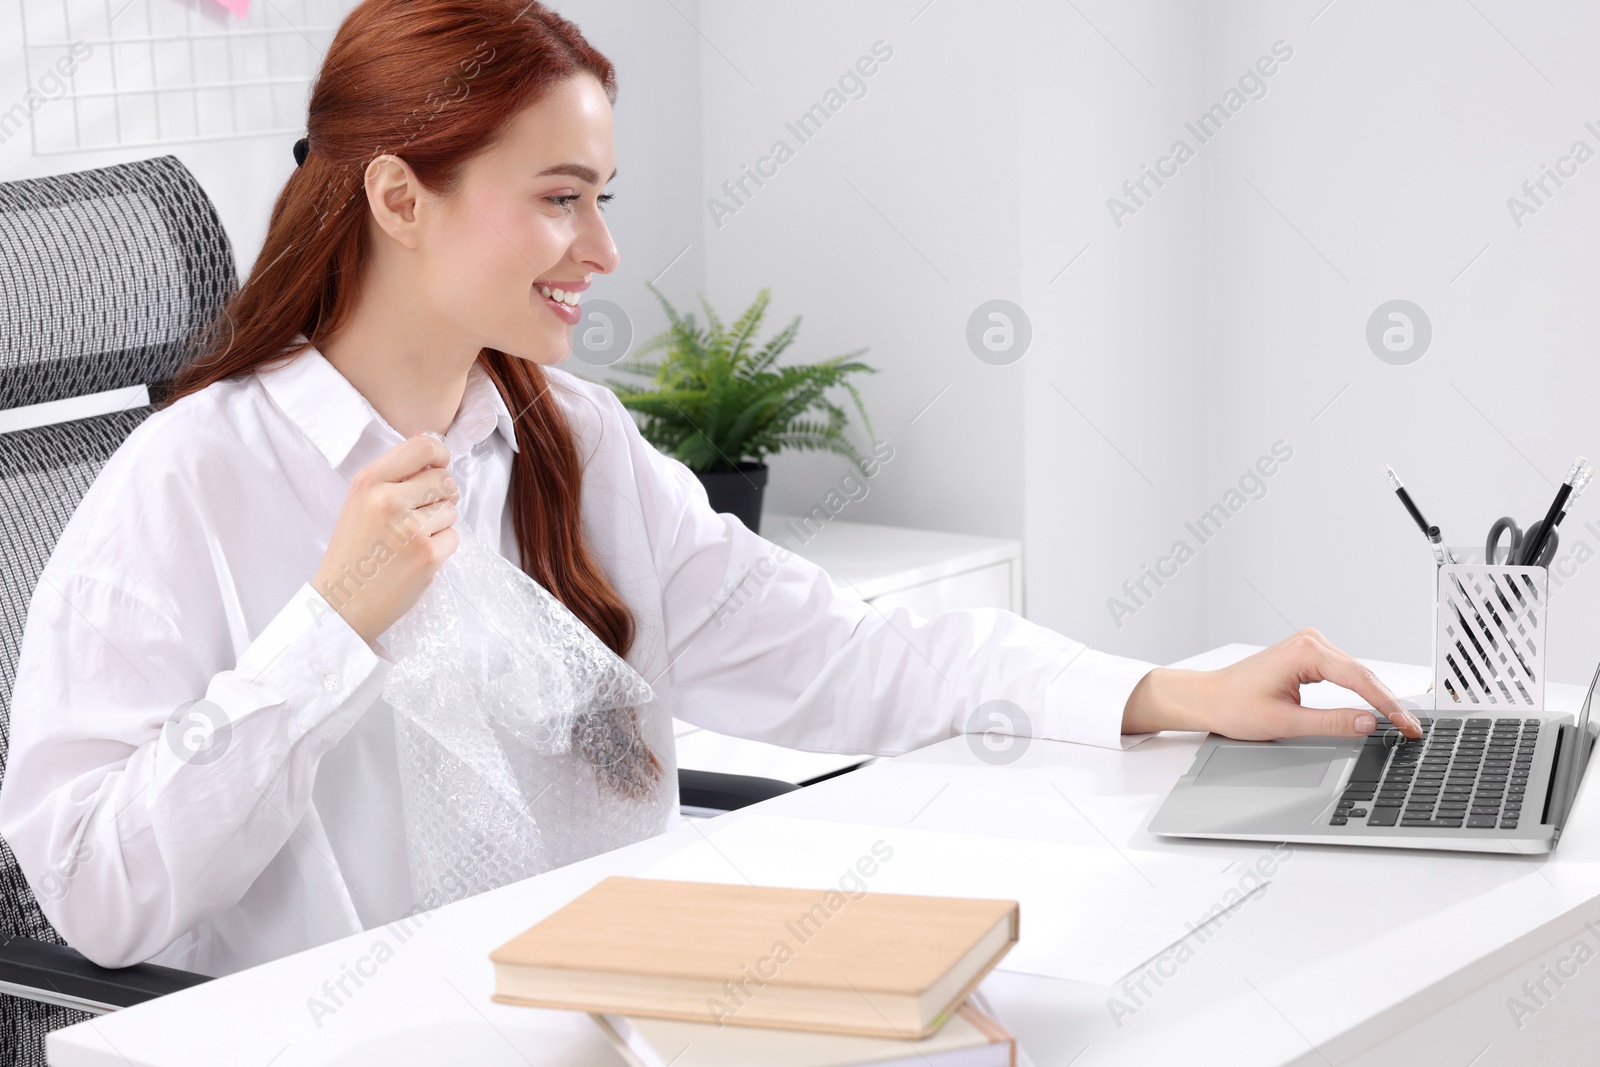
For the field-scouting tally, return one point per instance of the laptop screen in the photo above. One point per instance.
(1584, 738)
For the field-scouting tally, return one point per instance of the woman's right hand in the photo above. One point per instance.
(394, 532)
(1258, 698)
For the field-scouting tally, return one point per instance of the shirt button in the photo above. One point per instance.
(330, 682)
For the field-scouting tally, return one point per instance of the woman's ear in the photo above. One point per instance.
(394, 195)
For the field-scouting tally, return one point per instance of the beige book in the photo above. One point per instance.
(969, 1039)
(875, 964)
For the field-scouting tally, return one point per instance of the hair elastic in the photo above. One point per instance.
(301, 147)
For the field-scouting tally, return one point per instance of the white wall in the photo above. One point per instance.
(1219, 319)
(884, 231)
(1392, 142)
(975, 168)
(1115, 427)
(1224, 315)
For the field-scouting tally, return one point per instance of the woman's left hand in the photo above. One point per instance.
(1258, 698)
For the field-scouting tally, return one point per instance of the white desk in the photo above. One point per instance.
(1349, 956)
(928, 571)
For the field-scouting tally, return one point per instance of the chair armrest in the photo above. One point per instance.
(56, 974)
(711, 792)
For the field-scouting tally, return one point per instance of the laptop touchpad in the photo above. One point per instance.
(1268, 765)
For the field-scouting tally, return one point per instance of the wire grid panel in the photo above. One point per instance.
(149, 73)
(1491, 638)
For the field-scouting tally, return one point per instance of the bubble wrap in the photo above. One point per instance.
(524, 743)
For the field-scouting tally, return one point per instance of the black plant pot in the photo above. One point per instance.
(737, 492)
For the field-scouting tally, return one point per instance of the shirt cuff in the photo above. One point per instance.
(1085, 700)
(312, 661)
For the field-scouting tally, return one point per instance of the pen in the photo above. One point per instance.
(1535, 544)
(1577, 490)
(1430, 532)
(1438, 545)
(1405, 498)
(1578, 485)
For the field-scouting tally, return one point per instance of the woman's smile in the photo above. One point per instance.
(561, 297)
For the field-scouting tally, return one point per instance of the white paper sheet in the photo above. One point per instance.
(1087, 914)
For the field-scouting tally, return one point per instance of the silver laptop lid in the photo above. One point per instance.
(1573, 763)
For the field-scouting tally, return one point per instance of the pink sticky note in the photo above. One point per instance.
(238, 7)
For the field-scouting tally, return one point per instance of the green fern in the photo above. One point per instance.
(715, 400)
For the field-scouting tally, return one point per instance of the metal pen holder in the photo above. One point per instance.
(1490, 636)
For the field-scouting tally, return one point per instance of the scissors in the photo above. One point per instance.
(1520, 540)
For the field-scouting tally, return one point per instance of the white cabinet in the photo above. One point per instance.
(925, 570)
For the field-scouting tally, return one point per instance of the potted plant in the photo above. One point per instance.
(721, 406)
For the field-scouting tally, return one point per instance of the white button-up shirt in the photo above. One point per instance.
(184, 574)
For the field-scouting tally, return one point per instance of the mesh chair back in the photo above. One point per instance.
(106, 276)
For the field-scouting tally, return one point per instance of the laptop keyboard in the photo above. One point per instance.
(1468, 773)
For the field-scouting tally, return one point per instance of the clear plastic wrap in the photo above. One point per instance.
(524, 743)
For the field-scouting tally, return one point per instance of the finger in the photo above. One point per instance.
(429, 487)
(446, 541)
(434, 517)
(1333, 664)
(1326, 722)
(407, 458)
(1338, 666)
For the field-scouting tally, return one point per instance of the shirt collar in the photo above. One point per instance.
(334, 414)
(482, 410)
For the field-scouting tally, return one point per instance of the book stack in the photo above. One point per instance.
(698, 974)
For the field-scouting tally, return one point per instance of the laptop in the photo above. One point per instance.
(1471, 783)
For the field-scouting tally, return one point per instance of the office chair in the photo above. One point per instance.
(105, 277)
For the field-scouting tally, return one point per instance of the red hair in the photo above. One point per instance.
(434, 82)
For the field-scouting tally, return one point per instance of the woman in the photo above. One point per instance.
(421, 275)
